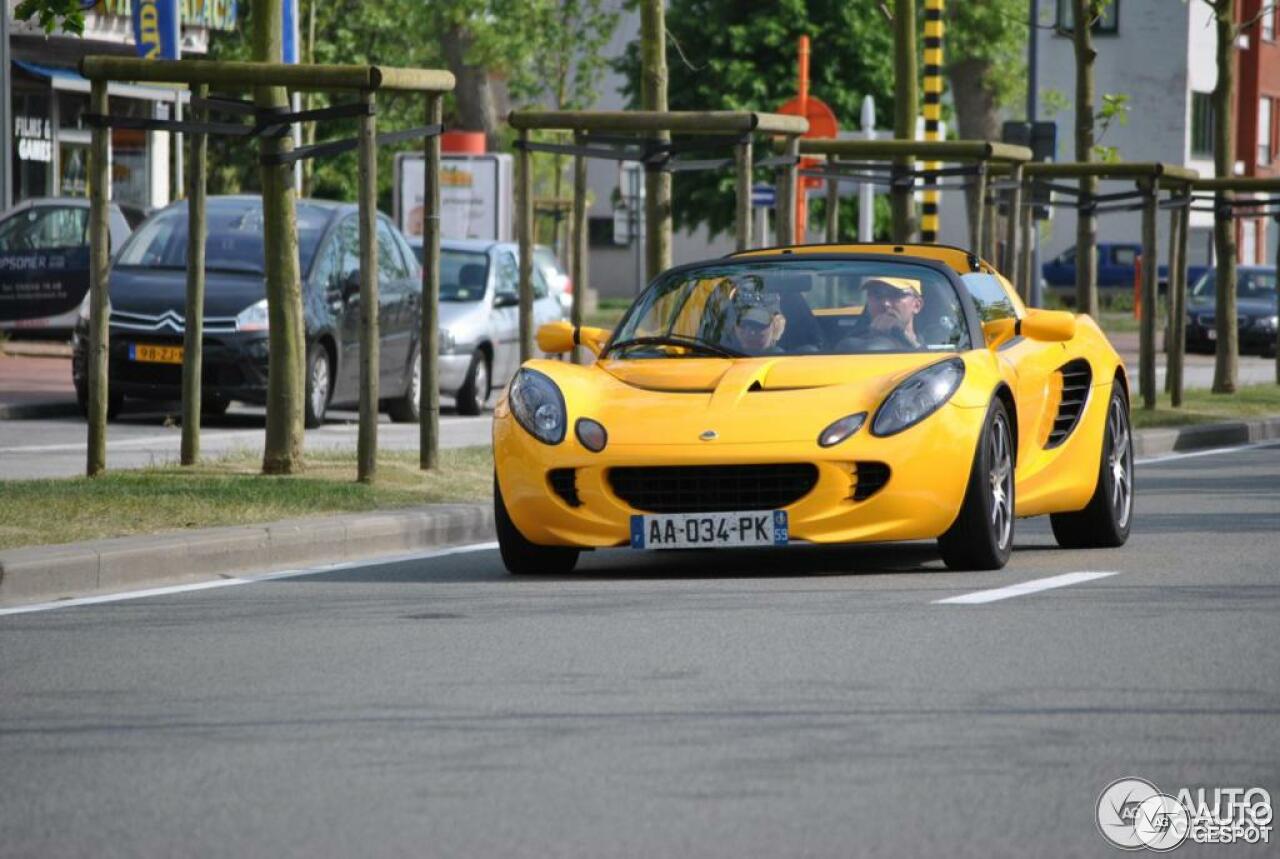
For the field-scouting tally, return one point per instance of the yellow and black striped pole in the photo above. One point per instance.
(932, 111)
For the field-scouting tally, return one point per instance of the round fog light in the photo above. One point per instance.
(591, 434)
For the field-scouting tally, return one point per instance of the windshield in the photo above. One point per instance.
(1250, 283)
(463, 275)
(796, 307)
(234, 243)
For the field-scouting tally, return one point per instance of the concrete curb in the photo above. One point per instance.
(37, 411)
(1156, 442)
(47, 573)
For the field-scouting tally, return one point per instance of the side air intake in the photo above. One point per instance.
(1076, 379)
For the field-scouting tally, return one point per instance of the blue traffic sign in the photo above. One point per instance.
(763, 195)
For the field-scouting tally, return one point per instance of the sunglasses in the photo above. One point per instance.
(757, 327)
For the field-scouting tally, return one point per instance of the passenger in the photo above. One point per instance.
(756, 322)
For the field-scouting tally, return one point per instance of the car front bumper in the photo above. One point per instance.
(929, 466)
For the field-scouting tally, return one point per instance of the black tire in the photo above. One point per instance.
(521, 557)
(319, 386)
(115, 402)
(981, 538)
(1105, 522)
(474, 393)
(407, 408)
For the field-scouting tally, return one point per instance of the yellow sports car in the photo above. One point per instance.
(820, 393)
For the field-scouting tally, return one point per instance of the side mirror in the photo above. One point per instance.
(351, 284)
(1046, 326)
(506, 299)
(557, 338)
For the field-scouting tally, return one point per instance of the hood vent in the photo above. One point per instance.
(1076, 379)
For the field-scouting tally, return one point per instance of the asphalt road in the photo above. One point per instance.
(55, 447)
(806, 701)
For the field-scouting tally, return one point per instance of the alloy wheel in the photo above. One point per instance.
(1001, 477)
(319, 384)
(1120, 462)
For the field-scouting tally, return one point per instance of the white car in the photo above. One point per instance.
(480, 316)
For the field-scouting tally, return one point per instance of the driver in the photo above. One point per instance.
(756, 322)
(892, 306)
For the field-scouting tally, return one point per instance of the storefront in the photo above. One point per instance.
(48, 97)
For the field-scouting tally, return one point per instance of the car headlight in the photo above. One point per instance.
(538, 406)
(1271, 322)
(253, 318)
(918, 396)
(83, 310)
(840, 430)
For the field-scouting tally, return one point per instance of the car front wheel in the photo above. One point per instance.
(522, 557)
(1105, 522)
(474, 393)
(319, 385)
(407, 409)
(981, 538)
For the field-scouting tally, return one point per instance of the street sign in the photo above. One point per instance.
(763, 195)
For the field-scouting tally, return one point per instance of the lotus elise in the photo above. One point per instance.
(821, 394)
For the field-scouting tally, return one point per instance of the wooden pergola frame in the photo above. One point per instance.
(364, 80)
(984, 156)
(1150, 178)
(583, 123)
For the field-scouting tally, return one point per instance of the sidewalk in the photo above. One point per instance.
(35, 380)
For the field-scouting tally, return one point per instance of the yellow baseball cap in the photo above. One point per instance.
(897, 284)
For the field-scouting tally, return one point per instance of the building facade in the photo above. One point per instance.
(49, 139)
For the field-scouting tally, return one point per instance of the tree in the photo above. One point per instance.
(985, 60)
(747, 61)
(1226, 363)
(52, 14)
(1084, 14)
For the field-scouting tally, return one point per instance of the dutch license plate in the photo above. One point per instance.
(155, 354)
(1212, 333)
(709, 530)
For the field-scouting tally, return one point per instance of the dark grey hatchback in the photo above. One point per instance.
(148, 302)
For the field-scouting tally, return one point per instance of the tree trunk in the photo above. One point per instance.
(1086, 221)
(477, 107)
(906, 104)
(286, 339)
(653, 95)
(1225, 367)
(977, 113)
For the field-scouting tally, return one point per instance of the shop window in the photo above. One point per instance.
(33, 144)
(1201, 125)
(1264, 130)
(1269, 23)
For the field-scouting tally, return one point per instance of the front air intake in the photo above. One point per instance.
(1076, 379)
(712, 488)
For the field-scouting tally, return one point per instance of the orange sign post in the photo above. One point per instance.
(822, 123)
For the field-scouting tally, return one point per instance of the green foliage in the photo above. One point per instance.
(995, 31)
(726, 55)
(52, 14)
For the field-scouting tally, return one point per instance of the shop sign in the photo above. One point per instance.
(35, 284)
(213, 14)
(156, 33)
(35, 138)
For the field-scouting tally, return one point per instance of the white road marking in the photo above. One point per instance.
(245, 580)
(149, 441)
(1031, 587)
(1235, 448)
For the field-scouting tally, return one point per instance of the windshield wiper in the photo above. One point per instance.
(677, 340)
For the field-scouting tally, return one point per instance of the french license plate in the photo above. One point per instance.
(155, 354)
(1212, 333)
(709, 530)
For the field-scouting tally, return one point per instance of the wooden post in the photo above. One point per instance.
(833, 210)
(743, 157)
(1013, 223)
(367, 435)
(193, 333)
(788, 179)
(1178, 300)
(653, 96)
(1150, 272)
(979, 211)
(1026, 245)
(905, 107)
(524, 234)
(990, 226)
(429, 393)
(1174, 264)
(578, 253)
(99, 272)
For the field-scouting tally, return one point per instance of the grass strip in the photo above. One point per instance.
(230, 491)
(1201, 406)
